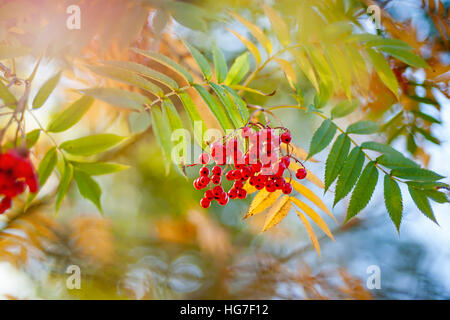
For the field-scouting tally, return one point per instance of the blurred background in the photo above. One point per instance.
(155, 242)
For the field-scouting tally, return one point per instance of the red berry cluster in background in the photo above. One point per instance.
(252, 153)
(16, 172)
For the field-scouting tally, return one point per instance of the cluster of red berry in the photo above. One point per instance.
(250, 155)
(16, 172)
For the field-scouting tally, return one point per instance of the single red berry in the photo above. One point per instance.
(236, 174)
(270, 186)
(256, 167)
(217, 170)
(233, 193)
(229, 175)
(217, 191)
(204, 171)
(286, 137)
(223, 200)
(279, 182)
(238, 184)
(205, 203)
(287, 188)
(259, 186)
(253, 181)
(196, 184)
(209, 195)
(204, 158)
(203, 181)
(301, 174)
(216, 179)
(242, 194)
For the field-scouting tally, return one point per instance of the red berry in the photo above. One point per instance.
(233, 193)
(229, 175)
(205, 203)
(216, 179)
(236, 174)
(279, 182)
(204, 158)
(259, 186)
(223, 200)
(242, 194)
(301, 174)
(286, 137)
(204, 171)
(5, 204)
(256, 167)
(253, 181)
(286, 160)
(238, 184)
(196, 184)
(217, 170)
(209, 195)
(287, 188)
(217, 191)
(270, 186)
(203, 181)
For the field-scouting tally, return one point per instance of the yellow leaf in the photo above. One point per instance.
(279, 26)
(277, 212)
(306, 67)
(298, 152)
(288, 71)
(249, 188)
(313, 215)
(262, 201)
(311, 196)
(310, 231)
(309, 175)
(249, 45)
(255, 31)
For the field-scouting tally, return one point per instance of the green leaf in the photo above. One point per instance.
(344, 108)
(426, 117)
(229, 105)
(279, 25)
(118, 97)
(99, 168)
(88, 188)
(220, 64)
(217, 109)
(349, 174)
(90, 145)
(242, 106)
(322, 137)
(255, 31)
(422, 203)
(384, 71)
(363, 127)
(238, 69)
(172, 115)
(9, 52)
(405, 55)
(64, 184)
(363, 190)
(30, 140)
(161, 129)
(162, 59)
(428, 185)
(144, 71)
(249, 45)
(380, 147)
(416, 174)
(189, 15)
(71, 115)
(427, 135)
(393, 161)
(6, 96)
(203, 64)
(436, 195)
(195, 117)
(393, 200)
(139, 121)
(336, 159)
(128, 77)
(45, 91)
(47, 165)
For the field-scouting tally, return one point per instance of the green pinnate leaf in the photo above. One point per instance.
(363, 127)
(242, 106)
(230, 106)
(393, 160)
(194, 115)
(220, 64)
(349, 174)
(139, 121)
(344, 108)
(238, 70)
(90, 145)
(161, 129)
(363, 190)
(416, 174)
(172, 115)
(384, 71)
(322, 137)
(336, 159)
(405, 55)
(64, 184)
(88, 187)
(45, 91)
(203, 64)
(99, 168)
(47, 165)
(70, 116)
(118, 97)
(380, 147)
(422, 203)
(393, 200)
